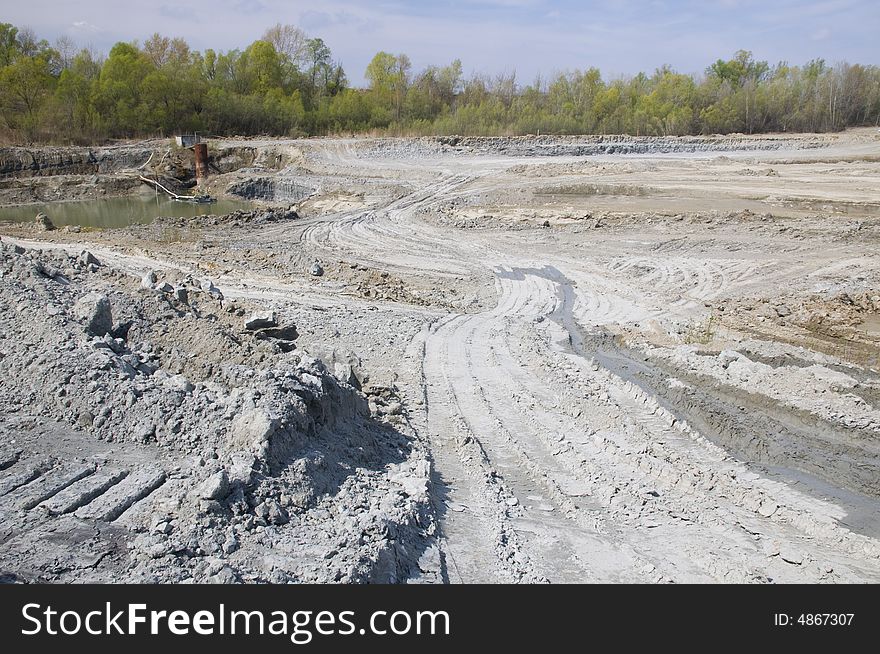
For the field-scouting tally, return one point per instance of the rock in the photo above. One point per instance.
(149, 279)
(343, 364)
(782, 311)
(208, 287)
(43, 222)
(546, 223)
(181, 294)
(87, 259)
(231, 544)
(215, 487)
(285, 346)
(251, 431)
(161, 526)
(286, 333)
(48, 270)
(178, 383)
(115, 344)
(94, 310)
(210, 506)
(413, 485)
(261, 321)
(100, 344)
(241, 472)
(272, 512)
(345, 373)
(144, 433)
(316, 270)
(277, 514)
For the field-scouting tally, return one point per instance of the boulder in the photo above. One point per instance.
(215, 487)
(272, 512)
(43, 222)
(86, 258)
(345, 373)
(149, 279)
(286, 333)
(242, 469)
(251, 431)
(261, 321)
(94, 310)
(316, 270)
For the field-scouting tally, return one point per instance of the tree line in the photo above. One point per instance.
(287, 83)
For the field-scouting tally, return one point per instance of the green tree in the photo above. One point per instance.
(119, 91)
(389, 79)
(263, 67)
(738, 70)
(25, 84)
(9, 47)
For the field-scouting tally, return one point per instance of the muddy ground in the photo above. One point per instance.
(449, 360)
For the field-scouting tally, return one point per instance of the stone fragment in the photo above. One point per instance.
(94, 310)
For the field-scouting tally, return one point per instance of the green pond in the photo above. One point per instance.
(118, 212)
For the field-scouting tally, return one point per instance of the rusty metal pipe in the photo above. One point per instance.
(201, 152)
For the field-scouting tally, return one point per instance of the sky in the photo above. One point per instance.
(620, 37)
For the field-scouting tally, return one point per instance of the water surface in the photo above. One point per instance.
(118, 212)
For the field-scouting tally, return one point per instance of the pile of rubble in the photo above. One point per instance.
(204, 442)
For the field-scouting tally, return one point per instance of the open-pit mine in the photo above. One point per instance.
(442, 360)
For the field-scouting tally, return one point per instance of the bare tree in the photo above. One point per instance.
(27, 42)
(163, 51)
(67, 50)
(157, 49)
(290, 41)
(504, 86)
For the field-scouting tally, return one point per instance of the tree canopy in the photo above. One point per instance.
(289, 83)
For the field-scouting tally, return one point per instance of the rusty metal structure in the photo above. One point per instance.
(201, 152)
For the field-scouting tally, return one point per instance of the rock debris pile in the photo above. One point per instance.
(204, 447)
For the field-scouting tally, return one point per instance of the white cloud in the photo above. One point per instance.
(85, 26)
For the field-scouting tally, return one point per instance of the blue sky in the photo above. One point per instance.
(491, 36)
